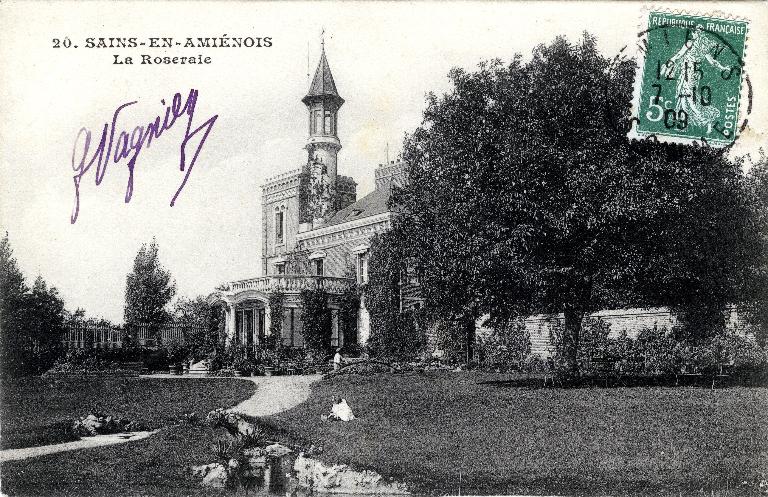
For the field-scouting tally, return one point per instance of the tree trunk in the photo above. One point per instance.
(469, 326)
(571, 336)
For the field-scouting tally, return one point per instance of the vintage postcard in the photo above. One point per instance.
(383, 248)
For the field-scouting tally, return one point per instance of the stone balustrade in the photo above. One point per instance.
(292, 284)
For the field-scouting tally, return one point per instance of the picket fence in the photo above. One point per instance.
(79, 335)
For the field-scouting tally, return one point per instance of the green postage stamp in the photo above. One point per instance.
(688, 80)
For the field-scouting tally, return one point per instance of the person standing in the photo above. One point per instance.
(337, 360)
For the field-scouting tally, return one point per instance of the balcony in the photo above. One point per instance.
(291, 283)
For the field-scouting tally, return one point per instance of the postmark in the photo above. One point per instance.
(688, 81)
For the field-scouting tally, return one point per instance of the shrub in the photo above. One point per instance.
(450, 337)
(657, 348)
(87, 362)
(177, 351)
(155, 360)
(741, 352)
(276, 307)
(240, 359)
(316, 321)
(507, 346)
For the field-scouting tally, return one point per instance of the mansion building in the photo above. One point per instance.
(333, 233)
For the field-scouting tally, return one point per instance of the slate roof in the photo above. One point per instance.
(370, 205)
(323, 84)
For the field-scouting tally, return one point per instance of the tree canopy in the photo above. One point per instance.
(526, 196)
(31, 320)
(148, 290)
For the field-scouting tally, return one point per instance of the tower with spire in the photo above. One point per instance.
(323, 103)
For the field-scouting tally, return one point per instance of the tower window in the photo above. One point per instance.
(279, 227)
(328, 123)
(318, 121)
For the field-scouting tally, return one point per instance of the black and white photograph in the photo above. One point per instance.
(383, 248)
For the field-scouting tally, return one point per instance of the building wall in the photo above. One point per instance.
(280, 192)
(338, 242)
(631, 321)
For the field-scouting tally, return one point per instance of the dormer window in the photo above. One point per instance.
(280, 268)
(319, 267)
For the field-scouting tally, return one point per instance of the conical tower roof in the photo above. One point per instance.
(323, 86)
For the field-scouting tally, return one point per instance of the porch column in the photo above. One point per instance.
(230, 324)
(336, 340)
(363, 323)
(267, 321)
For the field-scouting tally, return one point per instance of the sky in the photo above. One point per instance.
(385, 57)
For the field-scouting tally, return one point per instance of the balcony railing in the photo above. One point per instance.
(290, 283)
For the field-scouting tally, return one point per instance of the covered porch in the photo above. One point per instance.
(247, 315)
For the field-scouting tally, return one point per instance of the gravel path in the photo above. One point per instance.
(276, 394)
(84, 443)
(273, 394)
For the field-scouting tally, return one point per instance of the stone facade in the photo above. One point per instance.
(310, 240)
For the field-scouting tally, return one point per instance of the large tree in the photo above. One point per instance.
(200, 322)
(525, 195)
(31, 320)
(754, 299)
(148, 290)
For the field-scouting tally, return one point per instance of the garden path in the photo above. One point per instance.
(273, 394)
(276, 394)
(84, 443)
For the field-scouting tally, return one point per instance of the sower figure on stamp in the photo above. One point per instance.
(686, 64)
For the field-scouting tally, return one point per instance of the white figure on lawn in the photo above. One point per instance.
(340, 410)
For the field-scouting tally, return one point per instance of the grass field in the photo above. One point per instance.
(446, 432)
(37, 411)
(158, 465)
(440, 432)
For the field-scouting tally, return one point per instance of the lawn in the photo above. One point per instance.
(475, 433)
(37, 411)
(158, 465)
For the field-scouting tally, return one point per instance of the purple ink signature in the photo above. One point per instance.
(129, 146)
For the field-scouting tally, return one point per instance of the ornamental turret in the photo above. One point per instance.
(323, 103)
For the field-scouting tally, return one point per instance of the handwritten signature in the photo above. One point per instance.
(129, 145)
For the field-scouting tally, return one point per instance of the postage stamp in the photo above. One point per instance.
(688, 80)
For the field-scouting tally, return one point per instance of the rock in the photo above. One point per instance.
(92, 425)
(255, 458)
(340, 478)
(214, 475)
(277, 450)
(234, 423)
(135, 426)
(80, 429)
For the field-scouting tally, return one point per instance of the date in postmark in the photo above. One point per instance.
(688, 81)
